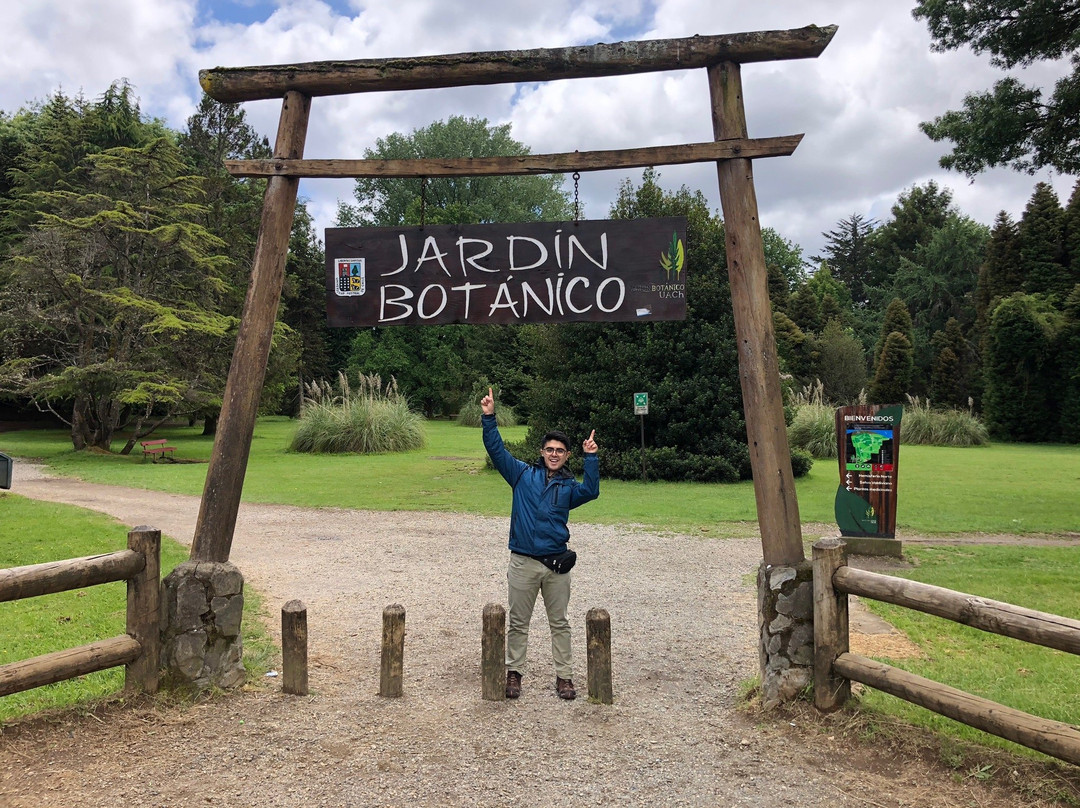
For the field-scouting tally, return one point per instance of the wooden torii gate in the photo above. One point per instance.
(733, 151)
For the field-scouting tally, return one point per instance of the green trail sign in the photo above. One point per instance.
(868, 446)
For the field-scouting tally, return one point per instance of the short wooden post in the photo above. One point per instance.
(393, 651)
(493, 653)
(598, 645)
(830, 626)
(294, 648)
(144, 610)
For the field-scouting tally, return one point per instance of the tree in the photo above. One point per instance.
(840, 363)
(849, 253)
(1021, 370)
(1012, 124)
(110, 301)
(953, 367)
(1042, 244)
(586, 373)
(453, 200)
(892, 375)
(897, 318)
(1067, 348)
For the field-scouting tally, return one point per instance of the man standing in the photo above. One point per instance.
(543, 495)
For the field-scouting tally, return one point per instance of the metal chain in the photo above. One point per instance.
(577, 176)
(423, 201)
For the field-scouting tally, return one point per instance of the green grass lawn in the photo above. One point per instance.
(34, 532)
(1027, 677)
(1002, 488)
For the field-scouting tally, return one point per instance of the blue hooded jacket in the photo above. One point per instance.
(540, 507)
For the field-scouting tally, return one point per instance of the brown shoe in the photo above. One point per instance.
(513, 684)
(565, 688)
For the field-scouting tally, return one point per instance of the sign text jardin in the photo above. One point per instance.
(536, 272)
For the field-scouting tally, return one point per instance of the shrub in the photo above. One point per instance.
(813, 430)
(470, 412)
(373, 421)
(924, 425)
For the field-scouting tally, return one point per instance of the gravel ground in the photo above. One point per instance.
(683, 634)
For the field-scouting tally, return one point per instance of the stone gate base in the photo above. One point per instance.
(202, 604)
(786, 622)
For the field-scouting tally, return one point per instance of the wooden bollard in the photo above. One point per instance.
(393, 650)
(294, 642)
(493, 653)
(598, 649)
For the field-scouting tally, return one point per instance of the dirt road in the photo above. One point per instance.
(684, 640)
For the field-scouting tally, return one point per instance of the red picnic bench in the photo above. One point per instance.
(157, 448)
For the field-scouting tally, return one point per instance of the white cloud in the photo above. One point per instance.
(859, 104)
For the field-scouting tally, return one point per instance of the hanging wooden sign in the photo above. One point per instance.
(535, 272)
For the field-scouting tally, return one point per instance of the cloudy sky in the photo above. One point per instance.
(859, 104)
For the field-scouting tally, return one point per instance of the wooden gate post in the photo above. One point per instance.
(392, 668)
(144, 611)
(493, 653)
(830, 627)
(759, 374)
(240, 405)
(294, 648)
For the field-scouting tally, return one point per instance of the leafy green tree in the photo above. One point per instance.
(892, 375)
(111, 299)
(1012, 124)
(953, 368)
(453, 200)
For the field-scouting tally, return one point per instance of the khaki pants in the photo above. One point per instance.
(525, 577)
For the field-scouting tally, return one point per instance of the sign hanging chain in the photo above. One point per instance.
(577, 176)
(423, 201)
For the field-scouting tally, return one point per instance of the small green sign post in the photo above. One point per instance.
(641, 409)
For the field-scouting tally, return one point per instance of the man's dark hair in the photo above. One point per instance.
(556, 435)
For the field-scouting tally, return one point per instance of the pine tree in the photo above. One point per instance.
(849, 253)
(897, 318)
(892, 375)
(1042, 244)
(1020, 370)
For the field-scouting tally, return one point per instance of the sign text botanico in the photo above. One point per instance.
(868, 444)
(536, 272)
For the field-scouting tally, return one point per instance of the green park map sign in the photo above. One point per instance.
(868, 446)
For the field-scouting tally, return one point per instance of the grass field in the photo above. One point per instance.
(1002, 488)
(34, 532)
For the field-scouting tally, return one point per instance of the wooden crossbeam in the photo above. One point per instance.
(521, 164)
(234, 84)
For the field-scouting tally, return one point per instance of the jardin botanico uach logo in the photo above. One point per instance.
(673, 259)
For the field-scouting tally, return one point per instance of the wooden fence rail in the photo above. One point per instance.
(139, 649)
(835, 667)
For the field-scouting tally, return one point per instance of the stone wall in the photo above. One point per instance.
(786, 622)
(202, 606)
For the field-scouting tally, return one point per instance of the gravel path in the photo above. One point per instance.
(683, 627)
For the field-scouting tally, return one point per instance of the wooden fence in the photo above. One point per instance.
(835, 668)
(139, 650)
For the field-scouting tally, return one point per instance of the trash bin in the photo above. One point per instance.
(6, 464)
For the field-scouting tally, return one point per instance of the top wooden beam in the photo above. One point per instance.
(234, 84)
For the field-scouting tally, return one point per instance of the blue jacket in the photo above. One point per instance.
(540, 506)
